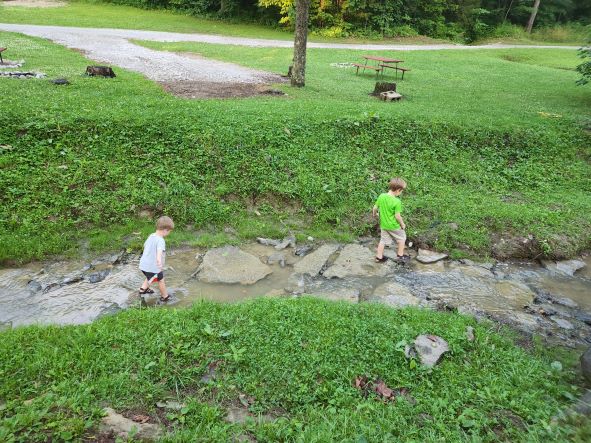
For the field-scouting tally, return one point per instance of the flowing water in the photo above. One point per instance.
(527, 295)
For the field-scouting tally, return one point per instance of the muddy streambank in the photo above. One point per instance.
(552, 299)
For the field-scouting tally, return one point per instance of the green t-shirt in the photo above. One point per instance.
(389, 206)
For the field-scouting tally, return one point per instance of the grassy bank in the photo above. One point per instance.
(483, 138)
(294, 359)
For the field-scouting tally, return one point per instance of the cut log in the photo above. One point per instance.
(101, 71)
(383, 87)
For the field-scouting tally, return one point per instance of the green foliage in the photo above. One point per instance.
(585, 68)
(74, 166)
(296, 359)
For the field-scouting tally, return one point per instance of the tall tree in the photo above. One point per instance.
(532, 17)
(298, 73)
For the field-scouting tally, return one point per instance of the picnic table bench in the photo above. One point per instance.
(396, 68)
(1, 51)
(378, 69)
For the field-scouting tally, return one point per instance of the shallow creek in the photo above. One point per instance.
(534, 298)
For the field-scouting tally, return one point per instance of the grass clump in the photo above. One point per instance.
(294, 359)
(480, 140)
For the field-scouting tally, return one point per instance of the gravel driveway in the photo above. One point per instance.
(112, 46)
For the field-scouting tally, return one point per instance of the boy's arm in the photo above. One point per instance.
(159, 259)
(399, 218)
(374, 210)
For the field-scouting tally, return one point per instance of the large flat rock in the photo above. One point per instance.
(566, 267)
(313, 263)
(426, 256)
(231, 265)
(357, 261)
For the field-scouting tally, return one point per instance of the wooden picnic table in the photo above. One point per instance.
(382, 62)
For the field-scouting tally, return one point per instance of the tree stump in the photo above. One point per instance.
(390, 96)
(101, 71)
(383, 87)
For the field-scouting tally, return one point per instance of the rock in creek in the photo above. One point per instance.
(357, 260)
(566, 267)
(395, 295)
(303, 250)
(278, 257)
(430, 348)
(231, 265)
(287, 241)
(564, 324)
(426, 256)
(313, 263)
(586, 364)
(267, 241)
(125, 428)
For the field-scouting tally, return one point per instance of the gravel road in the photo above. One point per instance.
(112, 46)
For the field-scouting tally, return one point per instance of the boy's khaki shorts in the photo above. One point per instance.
(386, 237)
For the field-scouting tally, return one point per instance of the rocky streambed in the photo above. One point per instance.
(551, 299)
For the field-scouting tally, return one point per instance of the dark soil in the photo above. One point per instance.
(201, 90)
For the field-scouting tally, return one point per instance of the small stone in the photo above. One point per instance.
(287, 241)
(60, 82)
(123, 427)
(430, 348)
(470, 333)
(301, 251)
(427, 256)
(267, 241)
(564, 324)
(34, 286)
(586, 364)
(310, 238)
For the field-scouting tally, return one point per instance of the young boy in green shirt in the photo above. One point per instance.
(392, 226)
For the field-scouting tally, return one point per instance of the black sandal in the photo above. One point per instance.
(146, 291)
(164, 300)
(381, 260)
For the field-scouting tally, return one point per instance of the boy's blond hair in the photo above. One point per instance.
(164, 222)
(396, 183)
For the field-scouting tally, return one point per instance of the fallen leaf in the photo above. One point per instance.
(382, 389)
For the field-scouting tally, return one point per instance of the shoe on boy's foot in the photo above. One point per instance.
(403, 258)
(381, 260)
(164, 300)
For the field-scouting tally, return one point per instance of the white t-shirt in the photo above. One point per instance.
(153, 244)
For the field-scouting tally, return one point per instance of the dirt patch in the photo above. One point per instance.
(201, 90)
(33, 3)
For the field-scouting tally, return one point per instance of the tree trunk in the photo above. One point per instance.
(298, 75)
(532, 17)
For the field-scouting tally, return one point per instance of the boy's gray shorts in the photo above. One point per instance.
(387, 236)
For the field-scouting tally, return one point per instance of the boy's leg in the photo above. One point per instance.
(400, 250)
(380, 251)
(145, 285)
(162, 287)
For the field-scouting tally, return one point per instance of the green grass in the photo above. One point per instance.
(296, 359)
(485, 139)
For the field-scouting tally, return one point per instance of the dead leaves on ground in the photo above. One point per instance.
(379, 387)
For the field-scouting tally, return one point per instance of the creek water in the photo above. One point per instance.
(525, 294)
